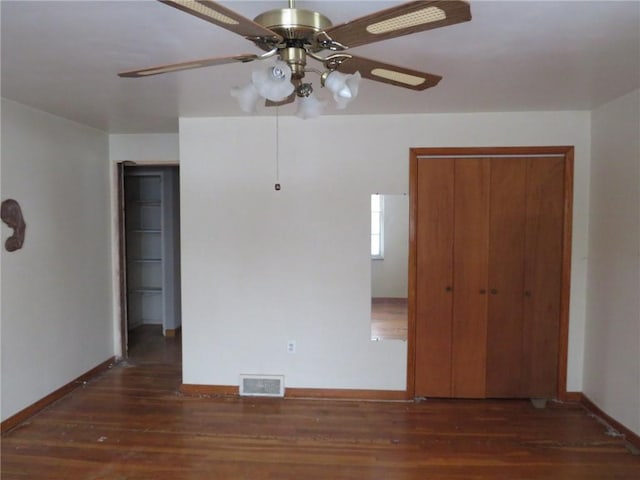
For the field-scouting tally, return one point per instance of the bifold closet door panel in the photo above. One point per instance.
(470, 270)
(489, 255)
(507, 251)
(543, 275)
(434, 282)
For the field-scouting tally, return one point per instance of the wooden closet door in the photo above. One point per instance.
(543, 276)
(525, 274)
(434, 283)
(489, 254)
(470, 270)
(506, 278)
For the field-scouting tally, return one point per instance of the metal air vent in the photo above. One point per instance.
(262, 385)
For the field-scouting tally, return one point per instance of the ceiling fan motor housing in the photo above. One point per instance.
(294, 24)
(298, 28)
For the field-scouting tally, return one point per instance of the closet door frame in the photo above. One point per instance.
(423, 154)
(121, 278)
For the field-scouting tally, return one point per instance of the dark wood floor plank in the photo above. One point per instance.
(133, 423)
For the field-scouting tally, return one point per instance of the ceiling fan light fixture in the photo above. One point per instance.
(205, 10)
(273, 83)
(344, 87)
(310, 106)
(408, 20)
(398, 77)
(292, 34)
(247, 97)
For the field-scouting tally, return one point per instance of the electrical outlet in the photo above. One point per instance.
(291, 346)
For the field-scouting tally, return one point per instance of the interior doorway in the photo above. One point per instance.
(150, 262)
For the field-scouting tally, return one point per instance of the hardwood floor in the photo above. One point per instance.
(132, 423)
(389, 318)
(148, 345)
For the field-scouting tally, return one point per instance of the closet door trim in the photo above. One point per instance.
(567, 152)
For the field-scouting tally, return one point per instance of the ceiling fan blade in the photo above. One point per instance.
(404, 19)
(215, 13)
(289, 99)
(391, 74)
(176, 67)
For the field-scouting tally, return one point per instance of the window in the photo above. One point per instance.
(377, 240)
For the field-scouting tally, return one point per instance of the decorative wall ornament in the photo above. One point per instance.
(12, 216)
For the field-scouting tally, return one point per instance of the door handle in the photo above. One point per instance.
(483, 291)
(494, 291)
(448, 288)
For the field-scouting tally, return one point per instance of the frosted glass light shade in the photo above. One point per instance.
(310, 107)
(247, 97)
(273, 83)
(344, 87)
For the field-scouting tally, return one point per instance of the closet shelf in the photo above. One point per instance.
(147, 290)
(150, 235)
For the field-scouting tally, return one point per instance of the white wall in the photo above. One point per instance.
(261, 267)
(612, 347)
(56, 290)
(144, 148)
(390, 275)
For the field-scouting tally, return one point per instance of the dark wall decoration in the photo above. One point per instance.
(12, 216)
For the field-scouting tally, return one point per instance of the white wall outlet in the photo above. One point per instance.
(291, 346)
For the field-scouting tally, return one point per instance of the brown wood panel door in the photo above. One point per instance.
(470, 270)
(506, 278)
(489, 272)
(543, 275)
(434, 283)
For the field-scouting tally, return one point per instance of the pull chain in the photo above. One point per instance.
(277, 185)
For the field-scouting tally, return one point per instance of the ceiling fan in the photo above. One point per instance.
(293, 35)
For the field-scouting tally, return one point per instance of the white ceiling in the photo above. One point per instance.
(63, 57)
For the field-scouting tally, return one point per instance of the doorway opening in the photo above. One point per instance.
(149, 200)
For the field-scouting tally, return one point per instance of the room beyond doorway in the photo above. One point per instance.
(149, 250)
(147, 345)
